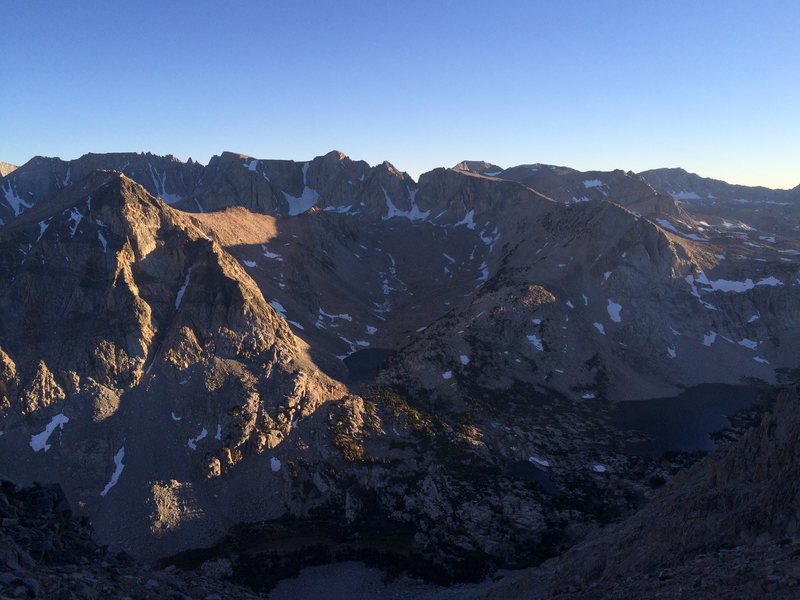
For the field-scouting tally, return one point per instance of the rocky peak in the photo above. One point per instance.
(6, 168)
(687, 186)
(143, 315)
(478, 166)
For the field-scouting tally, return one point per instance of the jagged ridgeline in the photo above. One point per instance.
(189, 347)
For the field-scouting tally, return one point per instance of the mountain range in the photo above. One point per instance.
(185, 348)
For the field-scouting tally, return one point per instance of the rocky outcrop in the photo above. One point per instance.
(479, 166)
(6, 168)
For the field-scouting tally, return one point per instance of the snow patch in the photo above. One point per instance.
(468, 220)
(709, 338)
(269, 254)
(671, 352)
(614, 310)
(39, 441)
(464, 359)
(249, 263)
(300, 204)
(274, 464)
(771, 281)
(342, 210)
(413, 214)
(761, 359)
(667, 225)
(43, 225)
(159, 182)
(684, 195)
(16, 203)
(484, 272)
(75, 218)
(332, 318)
(278, 308)
(118, 467)
(491, 239)
(538, 460)
(182, 290)
(600, 328)
(447, 375)
(537, 343)
(192, 443)
(726, 285)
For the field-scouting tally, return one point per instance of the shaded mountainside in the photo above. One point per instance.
(682, 185)
(41, 177)
(772, 214)
(178, 345)
(725, 527)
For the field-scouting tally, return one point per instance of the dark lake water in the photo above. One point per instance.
(527, 470)
(685, 421)
(364, 364)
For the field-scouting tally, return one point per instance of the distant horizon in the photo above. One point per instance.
(593, 85)
(414, 175)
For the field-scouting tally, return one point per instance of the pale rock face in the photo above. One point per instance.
(6, 168)
(41, 392)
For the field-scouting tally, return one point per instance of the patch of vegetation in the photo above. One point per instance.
(400, 409)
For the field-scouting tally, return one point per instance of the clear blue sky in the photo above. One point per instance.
(710, 85)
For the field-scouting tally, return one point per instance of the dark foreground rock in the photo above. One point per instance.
(46, 552)
(727, 527)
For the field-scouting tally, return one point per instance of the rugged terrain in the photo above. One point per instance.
(194, 346)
